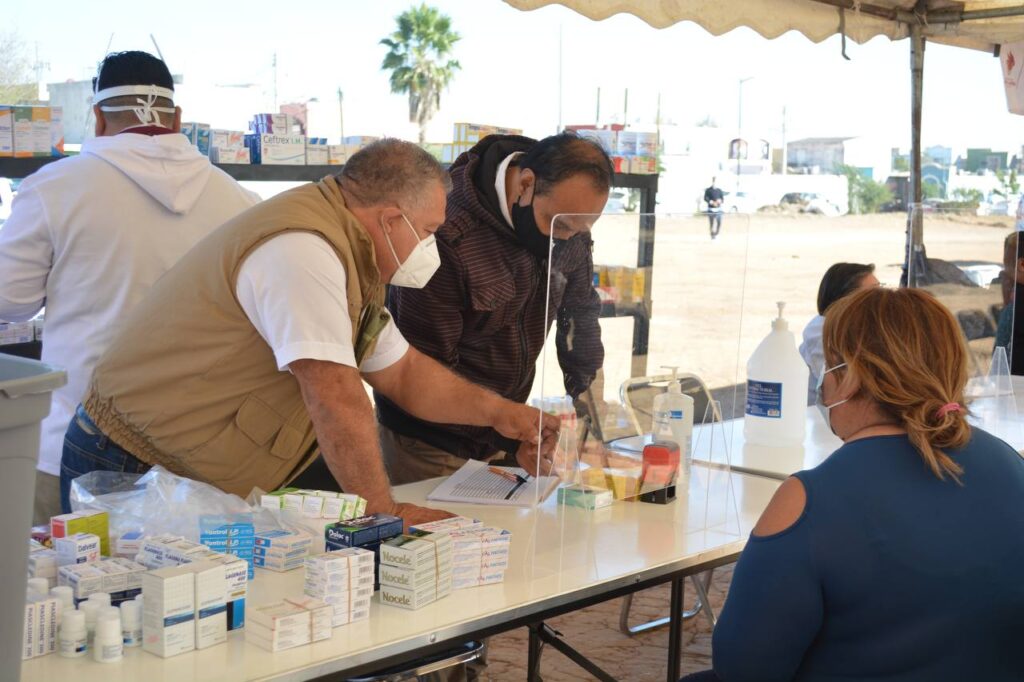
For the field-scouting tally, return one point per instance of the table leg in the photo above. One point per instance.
(534, 645)
(675, 629)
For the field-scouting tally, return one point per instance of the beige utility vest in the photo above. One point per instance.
(189, 383)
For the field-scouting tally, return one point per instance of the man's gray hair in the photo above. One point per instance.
(392, 171)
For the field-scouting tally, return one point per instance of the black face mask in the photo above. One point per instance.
(527, 232)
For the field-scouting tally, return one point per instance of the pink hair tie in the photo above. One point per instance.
(947, 408)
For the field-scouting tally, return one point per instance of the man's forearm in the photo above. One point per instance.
(432, 392)
(347, 433)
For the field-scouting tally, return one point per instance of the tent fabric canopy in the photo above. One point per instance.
(977, 24)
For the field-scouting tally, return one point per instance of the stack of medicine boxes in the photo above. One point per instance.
(344, 580)
(281, 550)
(416, 569)
(366, 532)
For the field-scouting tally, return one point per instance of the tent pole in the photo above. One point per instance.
(916, 263)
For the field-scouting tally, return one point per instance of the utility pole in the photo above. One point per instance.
(739, 134)
(274, 66)
(597, 116)
(559, 129)
(785, 156)
(341, 116)
(625, 110)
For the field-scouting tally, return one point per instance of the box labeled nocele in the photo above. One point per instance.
(407, 599)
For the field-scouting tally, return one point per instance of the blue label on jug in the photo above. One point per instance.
(764, 399)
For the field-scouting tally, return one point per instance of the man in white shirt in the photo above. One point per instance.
(90, 234)
(249, 355)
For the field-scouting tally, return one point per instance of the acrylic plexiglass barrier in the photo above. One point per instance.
(968, 263)
(680, 317)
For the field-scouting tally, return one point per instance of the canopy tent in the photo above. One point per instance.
(975, 24)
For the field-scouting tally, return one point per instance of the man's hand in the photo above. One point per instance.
(414, 515)
(519, 422)
(537, 460)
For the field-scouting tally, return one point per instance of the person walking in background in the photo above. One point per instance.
(714, 197)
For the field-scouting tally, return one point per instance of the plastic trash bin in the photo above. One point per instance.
(25, 387)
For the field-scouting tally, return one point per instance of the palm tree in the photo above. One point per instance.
(417, 56)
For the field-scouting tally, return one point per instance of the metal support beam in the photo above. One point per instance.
(915, 262)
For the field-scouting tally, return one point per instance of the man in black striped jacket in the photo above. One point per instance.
(484, 313)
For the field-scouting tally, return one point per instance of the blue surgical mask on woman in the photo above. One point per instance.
(820, 399)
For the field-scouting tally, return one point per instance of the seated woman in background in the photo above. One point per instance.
(898, 558)
(839, 280)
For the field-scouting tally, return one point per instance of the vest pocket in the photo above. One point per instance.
(251, 448)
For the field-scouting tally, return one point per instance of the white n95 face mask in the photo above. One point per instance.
(420, 265)
(826, 410)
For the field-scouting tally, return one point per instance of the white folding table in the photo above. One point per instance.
(563, 559)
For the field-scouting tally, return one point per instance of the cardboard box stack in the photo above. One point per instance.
(232, 534)
(31, 131)
(344, 580)
(480, 553)
(120, 578)
(316, 504)
(281, 550)
(86, 521)
(631, 151)
(228, 146)
(466, 135)
(416, 569)
(365, 532)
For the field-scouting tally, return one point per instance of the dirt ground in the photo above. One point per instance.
(713, 301)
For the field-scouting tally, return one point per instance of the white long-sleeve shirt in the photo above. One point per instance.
(89, 235)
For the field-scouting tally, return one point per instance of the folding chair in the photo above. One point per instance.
(637, 395)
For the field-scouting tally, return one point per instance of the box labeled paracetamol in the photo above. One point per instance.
(6, 131)
(168, 615)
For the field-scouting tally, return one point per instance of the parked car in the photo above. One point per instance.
(740, 202)
(982, 273)
(811, 202)
(618, 201)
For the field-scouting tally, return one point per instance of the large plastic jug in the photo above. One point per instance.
(776, 410)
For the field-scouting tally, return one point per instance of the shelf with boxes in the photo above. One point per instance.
(636, 308)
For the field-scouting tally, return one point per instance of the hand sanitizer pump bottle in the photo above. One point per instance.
(673, 419)
(776, 409)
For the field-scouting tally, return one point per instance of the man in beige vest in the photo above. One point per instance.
(247, 357)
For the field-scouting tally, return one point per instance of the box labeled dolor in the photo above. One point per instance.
(364, 530)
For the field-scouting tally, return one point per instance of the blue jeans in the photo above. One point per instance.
(86, 449)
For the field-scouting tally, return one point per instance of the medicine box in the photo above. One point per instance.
(407, 599)
(24, 144)
(168, 613)
(279, 616)
(41, 131)
(283, 150)
(129, 544)
(236, 584)
(452, 524)
(203, 138)
(85, 521)
(211, 603)
(79, 548)
(57, 131)
(6, 131)
(321, 616)
(363, 530)
(188, 129)
(272, 640)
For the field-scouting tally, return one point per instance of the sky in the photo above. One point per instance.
(528, 70)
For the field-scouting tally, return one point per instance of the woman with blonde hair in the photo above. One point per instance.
(901, 556)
